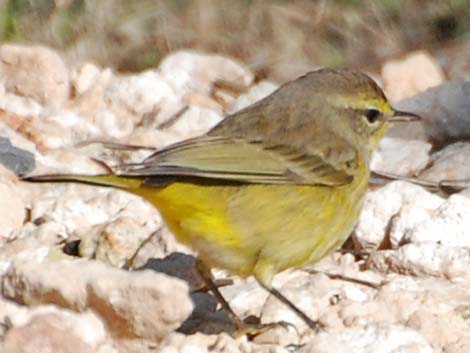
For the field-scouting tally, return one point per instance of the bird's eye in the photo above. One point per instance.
(372, 115)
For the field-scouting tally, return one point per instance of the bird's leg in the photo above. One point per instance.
(314, 325)
(242, 327)
(205, 274)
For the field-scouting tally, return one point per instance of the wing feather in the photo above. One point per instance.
(239, 160)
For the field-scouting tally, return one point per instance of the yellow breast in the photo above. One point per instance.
(255, 228)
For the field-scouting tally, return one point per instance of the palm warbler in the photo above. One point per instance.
(276, 185)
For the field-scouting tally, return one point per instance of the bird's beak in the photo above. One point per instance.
(403, 117)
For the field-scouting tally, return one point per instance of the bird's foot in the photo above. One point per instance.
(252, 327)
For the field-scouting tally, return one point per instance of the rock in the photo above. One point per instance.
(36, 72)
(53, 129)
(193, 122)
(46, 334)
(84, 77)
(36, 233)
(85, 326)
(134, 305)
(152, 138)
(450, 163)
(371, 339)
(116, 104)
(161, 244)
(81, 207)
(198, 343)
(114, 242)
(400, 156)
(12, 205)
(246, 298)
(111, 225)
(415, 73)
(67, 160)
(377, 217)
(141, 96)
(188, 72)
(254, 94)
(419, 304)
(11, 133)
(457, 346)
(13, 104)
(147, 304)
(430, 325)
(447, 225)
(17, 160)
(423, 259)
(311, 293)
(444, 114)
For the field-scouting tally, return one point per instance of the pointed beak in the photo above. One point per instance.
(403, 117)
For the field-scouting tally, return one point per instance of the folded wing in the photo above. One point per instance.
(238, 160)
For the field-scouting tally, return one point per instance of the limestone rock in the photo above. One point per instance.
(193, 122)
(423, 259)
(36, 72)
(372, 339)
(450, 163)
(47, 334)
(134, 305)
(376, 216)
(85, 326)
(415, 73)
(12, 204)
(189, 72)
(400, 156)
(254, 94)
(447, 225)
(178, 343)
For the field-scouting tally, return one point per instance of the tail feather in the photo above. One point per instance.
(110, 180)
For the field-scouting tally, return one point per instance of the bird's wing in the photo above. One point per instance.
(238, 160)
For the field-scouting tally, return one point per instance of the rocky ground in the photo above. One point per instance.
(87, 269)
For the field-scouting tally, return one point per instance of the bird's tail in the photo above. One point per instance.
(116, 181)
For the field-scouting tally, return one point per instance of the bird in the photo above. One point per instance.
(277, 185)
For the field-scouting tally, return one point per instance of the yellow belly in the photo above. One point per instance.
(260, 229)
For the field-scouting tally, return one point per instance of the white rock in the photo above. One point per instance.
(15, 138)
(415, 73)
(371, 339)
(198, 343)
(400, 156)
(423, 259)
(245, 298)
(114, 242)
(116, 104)
(84, 77)
(448, 225)
(36, 72)
(194, 122)
(152, 138)
(140, 304)
(87, 326)
(254, 94)
(19, 105)
(450, 163)
(44, 334)
(12, 205)
(189, 72)
(141, 94)
(53, 129)
(83, 206)
(376, 214)
(66, 160)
